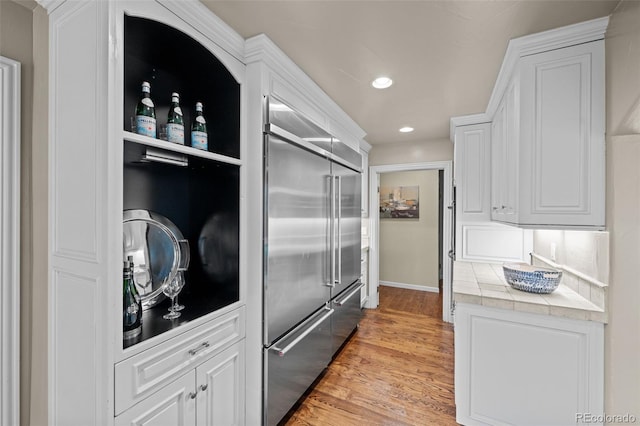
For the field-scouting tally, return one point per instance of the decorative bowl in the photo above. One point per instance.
(533, 279)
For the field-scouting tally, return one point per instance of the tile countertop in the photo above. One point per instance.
(484, 284)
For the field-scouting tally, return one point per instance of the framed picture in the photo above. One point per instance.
(399, 202)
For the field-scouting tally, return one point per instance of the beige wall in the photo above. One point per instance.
(16, 42)
(409, 247)
(622, 334)
(411, 152)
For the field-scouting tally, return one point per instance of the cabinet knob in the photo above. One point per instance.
(204, 387)
(193, 395)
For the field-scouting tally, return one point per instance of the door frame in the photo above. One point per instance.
(10, 240)
(374, 229)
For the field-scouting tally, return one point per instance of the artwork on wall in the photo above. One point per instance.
(399, 202)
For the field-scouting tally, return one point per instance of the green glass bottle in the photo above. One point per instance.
(146, 113)
(199, 130)
(175, 122)
(131, 303)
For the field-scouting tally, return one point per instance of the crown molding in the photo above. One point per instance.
(466, 120)
(50, 5)
(209, 24)
(365, 146)
(261, 49)
(557, 38)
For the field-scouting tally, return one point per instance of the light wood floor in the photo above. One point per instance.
(396, 370)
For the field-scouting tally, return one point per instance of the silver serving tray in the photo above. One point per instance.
(158, 249)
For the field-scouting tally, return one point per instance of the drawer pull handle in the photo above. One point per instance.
(203, 387)
(193, 395)
(193, 352)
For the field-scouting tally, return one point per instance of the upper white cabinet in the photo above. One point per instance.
(477, 237)
(472, 173)
(547, 113)
(99, 54)
(562, 146)
(364, 152)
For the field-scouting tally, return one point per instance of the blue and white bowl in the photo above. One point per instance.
(533, 279)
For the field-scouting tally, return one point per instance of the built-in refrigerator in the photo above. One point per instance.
(312, 247)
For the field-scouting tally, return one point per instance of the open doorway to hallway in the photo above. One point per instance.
(410, 234)
(406, 206)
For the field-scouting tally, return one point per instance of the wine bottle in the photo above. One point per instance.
(146, 113)
(131, 303)
(199, 130)
(175, 122)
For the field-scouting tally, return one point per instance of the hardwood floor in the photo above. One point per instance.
(396, 370)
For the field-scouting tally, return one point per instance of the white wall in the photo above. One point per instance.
(622, 333)
(411, 152)
(409, 247)
(16, 42)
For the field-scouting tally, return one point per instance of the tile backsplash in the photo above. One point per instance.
(582, 255)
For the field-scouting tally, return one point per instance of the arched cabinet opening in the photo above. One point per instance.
(197, 190)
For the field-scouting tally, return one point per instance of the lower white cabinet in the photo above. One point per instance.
(171, 405)
(517, 368)
(211, 394)
(220, 388)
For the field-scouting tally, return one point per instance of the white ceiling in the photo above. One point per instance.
(443, 55)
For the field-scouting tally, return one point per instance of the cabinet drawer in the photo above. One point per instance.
(145, 373)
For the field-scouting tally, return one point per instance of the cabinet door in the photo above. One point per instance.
(173, 405)
(498, 164)
(563, 136)
(518, 368)
(511, 153)
(221, 385)
(472, 172)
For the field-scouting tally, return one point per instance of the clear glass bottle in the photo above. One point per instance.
(146, 113)
(175, 121)
(199, 130)
(131, 303)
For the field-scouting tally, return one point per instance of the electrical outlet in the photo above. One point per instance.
(552, 252)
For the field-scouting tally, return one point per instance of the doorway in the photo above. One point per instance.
(444, 171)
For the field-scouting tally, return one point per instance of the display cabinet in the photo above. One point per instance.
(99, 54)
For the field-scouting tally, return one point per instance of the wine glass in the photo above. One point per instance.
(171, 289)
(176, 305)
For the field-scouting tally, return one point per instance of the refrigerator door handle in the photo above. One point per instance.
(349, 296)
(338, 235)
(332, 233)
(283, 351)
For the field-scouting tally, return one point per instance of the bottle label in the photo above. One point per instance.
(148, 102)
(199, 140)
(146, 126)
(175, 133)
(200, 119)
(178, 111)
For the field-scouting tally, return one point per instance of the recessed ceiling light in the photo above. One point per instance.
(382, 82)
(406, 129)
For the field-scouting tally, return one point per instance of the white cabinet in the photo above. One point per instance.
(562, 137)
(515, 368)
(472, 172)
(477, 237)
(93, 164)
(220, 384)
(548, 148)
(211, 394)
(504, 158)
(364, 152)
(172, 405)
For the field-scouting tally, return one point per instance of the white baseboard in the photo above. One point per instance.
(410, 286)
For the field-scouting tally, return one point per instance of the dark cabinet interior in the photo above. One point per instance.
(201, 196)
(173, 62)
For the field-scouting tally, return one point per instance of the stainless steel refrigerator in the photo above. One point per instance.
(312, 249)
